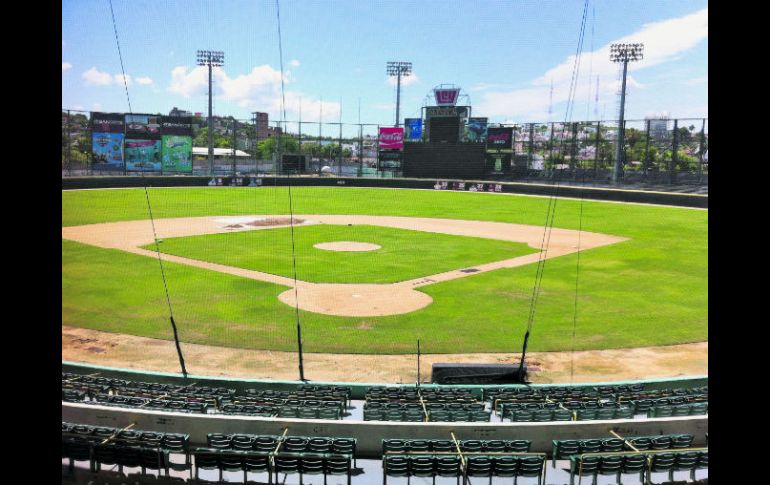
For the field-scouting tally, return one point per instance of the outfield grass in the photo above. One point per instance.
(649, 290)
(403, 255)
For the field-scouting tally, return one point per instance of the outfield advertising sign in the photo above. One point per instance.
(176, 153)
(413, 129)
(142, 155)
(176, 125)
(391, 138)
(499, 138)
(144, 127)
(476, 130)
(107, 150)
(107, 123)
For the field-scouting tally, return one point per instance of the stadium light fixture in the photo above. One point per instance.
(398, 69)
(624, 53)
(211, 59)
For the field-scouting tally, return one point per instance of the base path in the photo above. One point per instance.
(355, 300)
(141, 353)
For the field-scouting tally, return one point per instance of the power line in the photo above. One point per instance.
(149, 210)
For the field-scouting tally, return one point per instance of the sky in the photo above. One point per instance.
(513, 60)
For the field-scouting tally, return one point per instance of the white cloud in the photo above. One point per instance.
(97, 106)
(405, 81)
(663, 41)
(259, 90)
(294, 63)
(94, 77)
(65, 66)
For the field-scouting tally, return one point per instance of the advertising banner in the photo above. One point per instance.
(413, 129)
(106, 123)
(476, 130)
(107, 149)
(176, 125)
(391, 138)
(499, 138)
(144, 127)
(453, 112)
(446, 97)
(142, 155)
(390, 160)
(176, 153)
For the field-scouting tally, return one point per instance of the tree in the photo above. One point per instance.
(220, 141)
(268, 147)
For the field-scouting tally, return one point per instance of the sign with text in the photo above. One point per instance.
(106, 123)
(499, 138)
(176, 125)
(107, 150)
(453, 112)
(390, 160)
(143, 126)
(446, 96)
(413, 129)
(391, 138)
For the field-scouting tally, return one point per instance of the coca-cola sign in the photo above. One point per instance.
(391, 138)
(446, 97)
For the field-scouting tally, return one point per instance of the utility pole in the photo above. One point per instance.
(624, 53)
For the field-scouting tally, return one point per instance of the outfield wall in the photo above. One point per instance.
(594, 193)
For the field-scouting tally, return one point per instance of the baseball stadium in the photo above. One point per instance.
(441, 299)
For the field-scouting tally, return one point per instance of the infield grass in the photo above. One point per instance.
(403, 255)
(649, 290)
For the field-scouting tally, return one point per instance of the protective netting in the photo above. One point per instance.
(371, 270)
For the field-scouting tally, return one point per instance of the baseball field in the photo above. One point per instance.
(454, 269)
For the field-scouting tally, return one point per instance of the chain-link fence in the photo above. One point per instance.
(655, 151)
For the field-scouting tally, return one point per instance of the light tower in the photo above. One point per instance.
(211, 58)
(624, 53)
(398, 69)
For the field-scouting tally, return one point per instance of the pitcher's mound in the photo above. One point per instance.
(347, 246)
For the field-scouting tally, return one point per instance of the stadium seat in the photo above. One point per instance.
(636, 464)
(581, 466)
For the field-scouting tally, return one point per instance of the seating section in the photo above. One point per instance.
(690, 409)
(396, 403)
(449, 446)
(273, 463)
(155, 451)
(299, 444)
(647, 466)
(565, 449)
(101, 445)
(304, 402)
(432, 466)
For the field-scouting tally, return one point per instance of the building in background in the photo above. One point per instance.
(180, 112)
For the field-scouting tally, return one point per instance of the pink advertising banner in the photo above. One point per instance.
(391, 138)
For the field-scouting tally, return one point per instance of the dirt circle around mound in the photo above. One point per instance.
(347, 246)
(347, 300)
